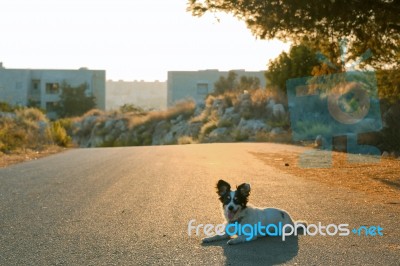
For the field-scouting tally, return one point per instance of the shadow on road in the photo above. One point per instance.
(263, 251)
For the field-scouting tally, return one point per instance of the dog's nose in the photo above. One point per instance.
(230, 208)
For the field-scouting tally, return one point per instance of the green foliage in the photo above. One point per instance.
(372, 24)
(31, 114)
(239, 136)
(59, 134)
(208, 127)
(298, 63)
(29, 128)
(390, 133)
(231, 83)
(11, 136)
(225, 123)
(131, 108)
(6, 107)
(389, 85)
(225, 84)
(308, 130)
(74, 101)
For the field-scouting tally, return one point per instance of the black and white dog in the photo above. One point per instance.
(236, 210)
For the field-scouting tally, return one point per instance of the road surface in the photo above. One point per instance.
(132, 206)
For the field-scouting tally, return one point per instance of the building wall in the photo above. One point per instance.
(13, 86)
(197, 84)
(42, 87)
(148, 95)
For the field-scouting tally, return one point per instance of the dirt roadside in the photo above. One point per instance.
(379, 178)
(27, 155)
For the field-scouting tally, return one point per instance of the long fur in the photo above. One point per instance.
(236, 209)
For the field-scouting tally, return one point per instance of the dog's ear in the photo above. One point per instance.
(244, 189)
(223, 187)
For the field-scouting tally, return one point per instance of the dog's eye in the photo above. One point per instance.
(229, 197)
(235, 198)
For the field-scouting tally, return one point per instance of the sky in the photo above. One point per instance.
(130, 39)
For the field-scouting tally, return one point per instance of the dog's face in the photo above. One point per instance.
(233, 202)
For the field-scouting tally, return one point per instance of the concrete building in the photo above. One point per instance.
(197, 84)
(148, 95)
(42, 87)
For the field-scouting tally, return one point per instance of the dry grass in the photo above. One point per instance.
(185, 108)
(27, 155)
(378, 178)
(186, 140)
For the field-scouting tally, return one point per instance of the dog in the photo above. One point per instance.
(237, 210)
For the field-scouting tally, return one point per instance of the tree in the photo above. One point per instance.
(231, 83)
(300, 62)
(225, 84)
(74, 101)
(367, 24)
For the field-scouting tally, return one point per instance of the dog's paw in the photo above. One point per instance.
(234, 241)
(207, 240)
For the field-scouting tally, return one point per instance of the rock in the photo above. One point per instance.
(385, 154)
(217, 103)
(95, 141)
(88, 122)
(244, 97)
(278, 110)
(168, 139)
(229, 111)
(109, 124)
(160, 131)
(231, 116)
(270, 105)
(219, 135)
(120, 125)
(277, 131)
(194, 129)
(252, 126)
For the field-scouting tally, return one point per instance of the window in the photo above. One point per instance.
(52, 88)
(202, 88)
(51, 106)
(35, 84)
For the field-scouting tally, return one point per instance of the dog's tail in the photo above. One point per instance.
(301, 226)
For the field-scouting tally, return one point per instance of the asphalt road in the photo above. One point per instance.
(131, 206)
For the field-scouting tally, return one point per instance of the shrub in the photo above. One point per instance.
(208, 127)
(6, 107)
(11, 136)
(185, 140)
(130, 108)
(225, 123)
(31, 114)
(59, 134)
(308, 130)
(93, 112)
(239, 136)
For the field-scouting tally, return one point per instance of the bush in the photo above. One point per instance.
(59, 134)
(186, 140)
(130, 108)
(11, 136)
(239, 136)
(6, 107)
(308, 130)
(208, 127)
(31, 114)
